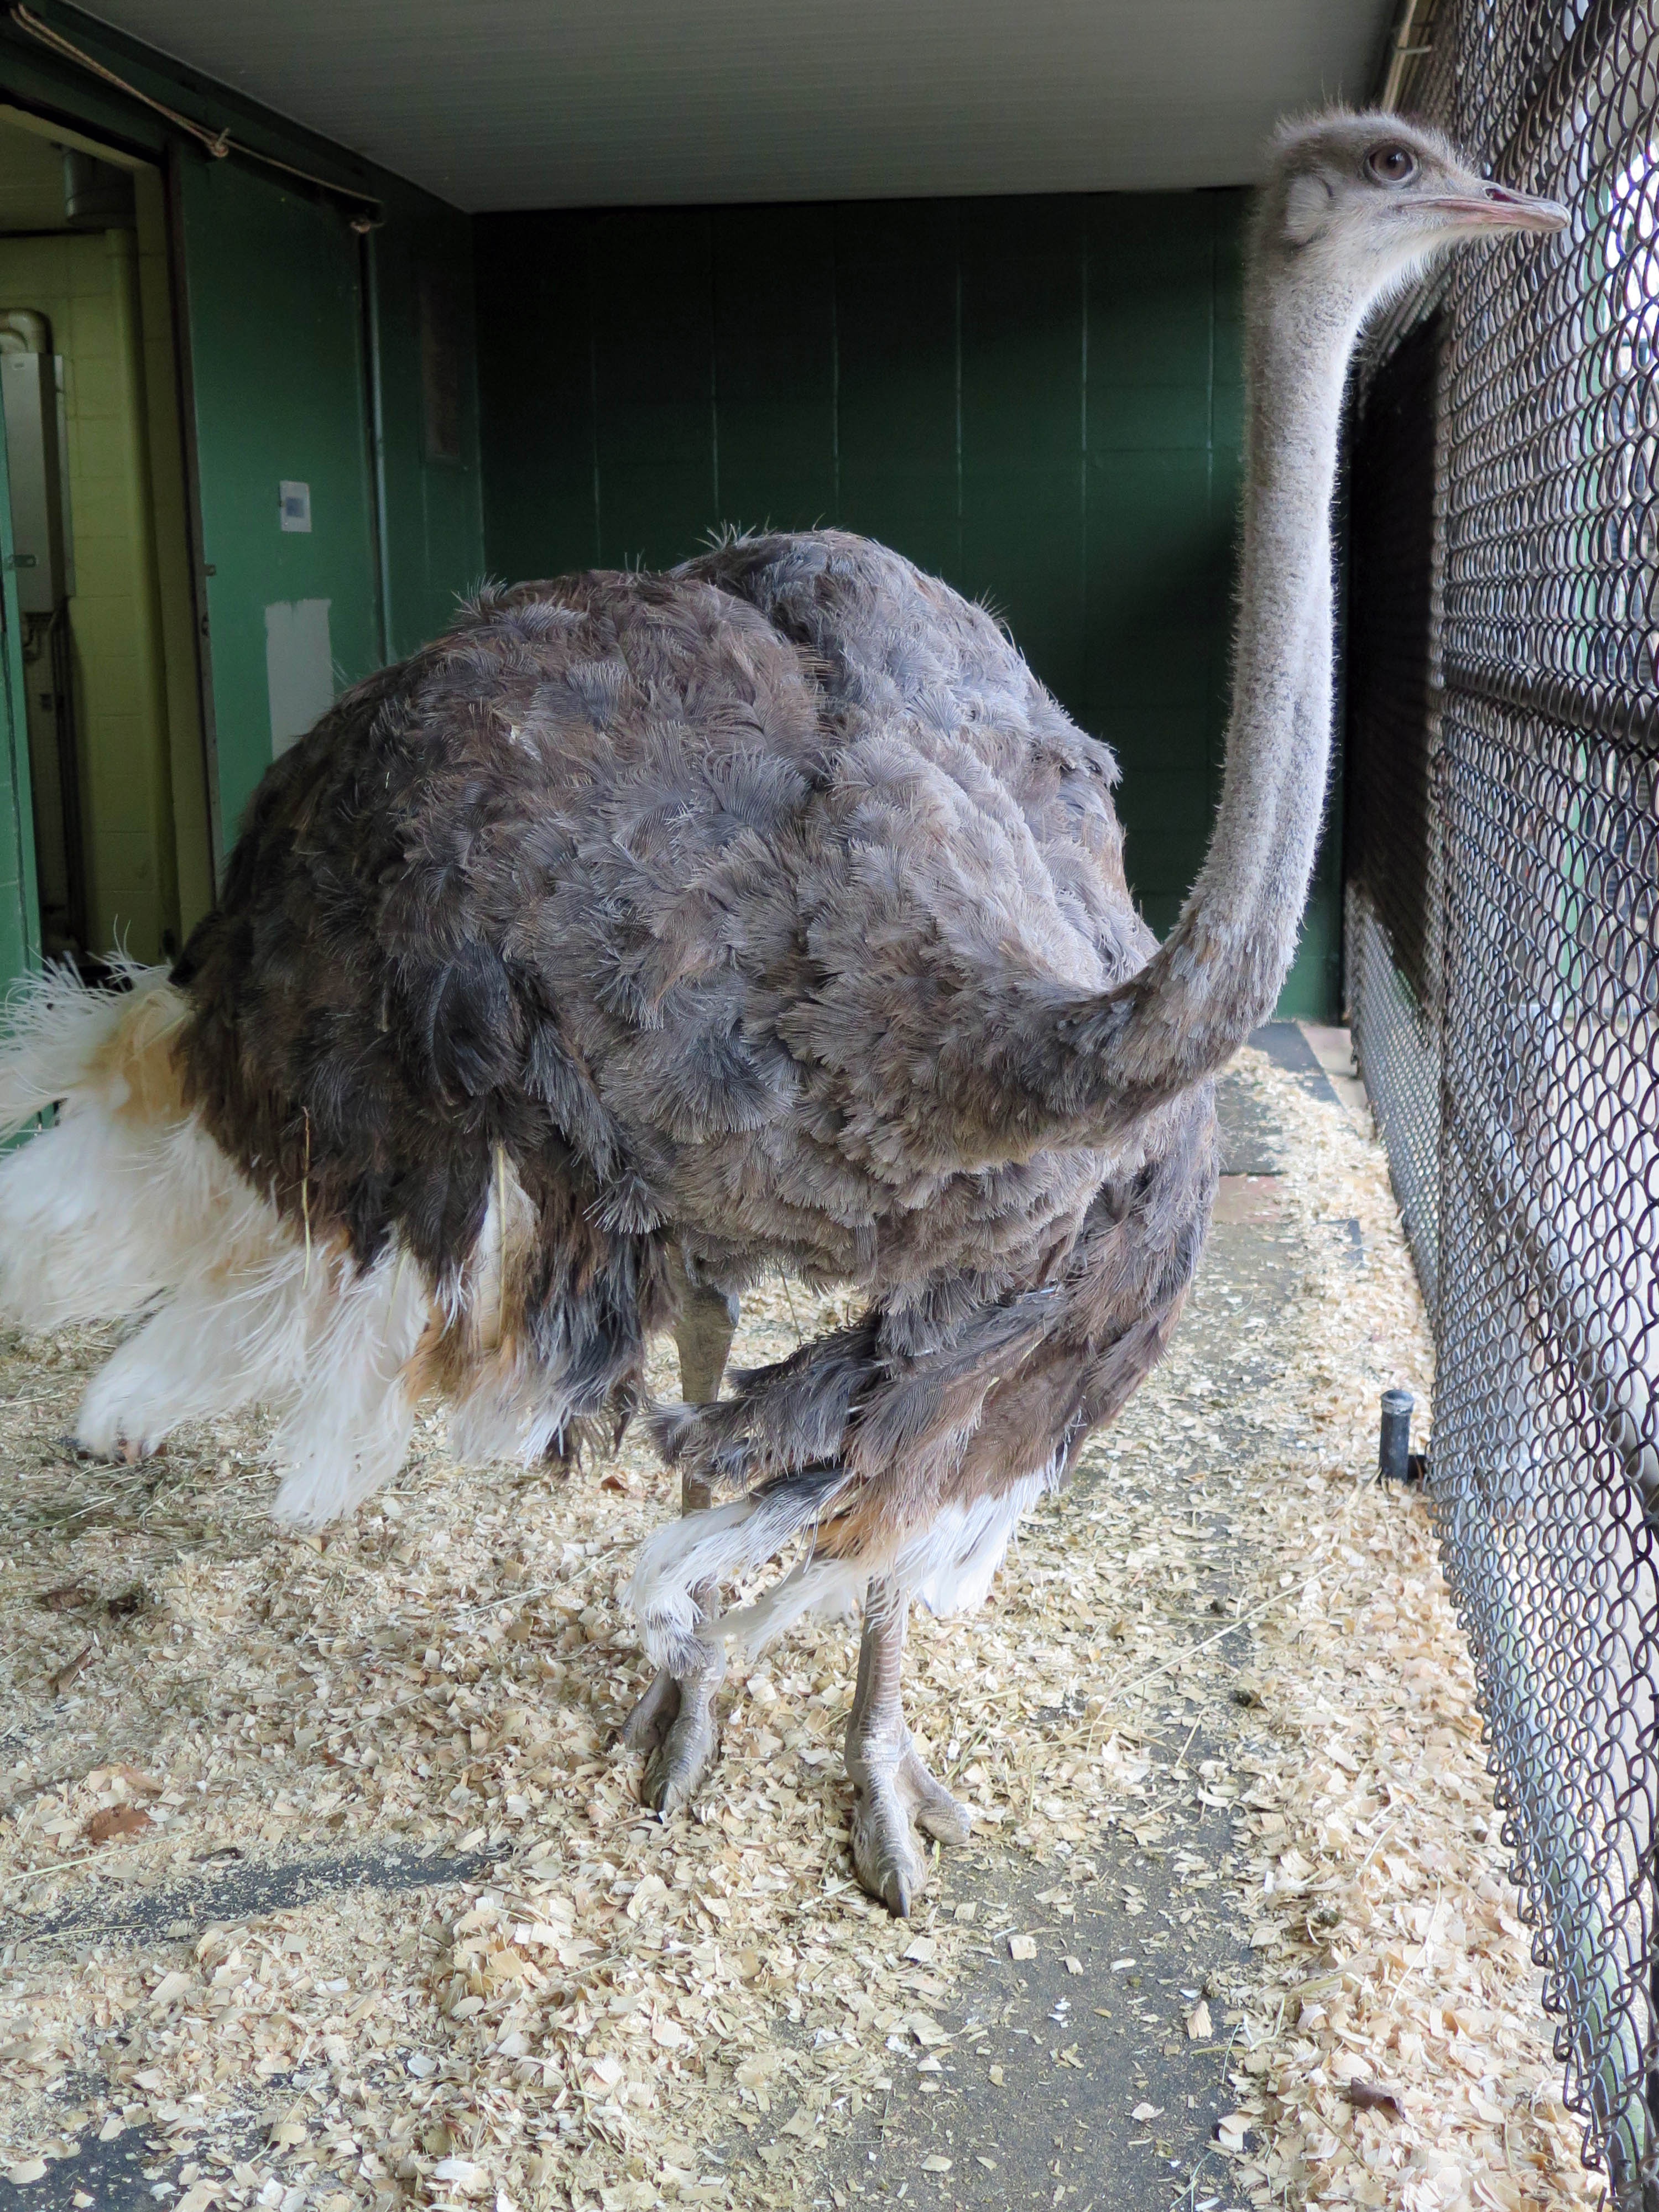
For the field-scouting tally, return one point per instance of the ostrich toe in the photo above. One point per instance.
(676, 1722)
(890, 1799)
(658, 1708)
(690, 1745)
(891, 1786)
(654, 1713)
(114, 1449)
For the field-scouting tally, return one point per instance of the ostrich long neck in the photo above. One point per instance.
(1221, 969)
(1092, 1068)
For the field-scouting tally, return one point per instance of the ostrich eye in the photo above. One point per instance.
(1391, 165)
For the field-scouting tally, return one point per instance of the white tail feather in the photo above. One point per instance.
(706, 1547)
(191, 1361)
(59, 1035)
(950, 1567)
(822, 1588)
(126, 1200)
(512, 1409)
(347, 1429)
(126, 1195)
(512, 1405)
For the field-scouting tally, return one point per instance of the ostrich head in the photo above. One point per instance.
(1358, 203)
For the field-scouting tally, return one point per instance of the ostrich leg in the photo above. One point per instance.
(891, 1785)
(674, 1720)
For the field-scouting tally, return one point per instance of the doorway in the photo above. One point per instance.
(117, 805)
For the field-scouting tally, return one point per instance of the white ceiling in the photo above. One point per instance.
(549, 103)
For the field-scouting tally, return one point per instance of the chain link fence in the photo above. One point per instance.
(1502, 965)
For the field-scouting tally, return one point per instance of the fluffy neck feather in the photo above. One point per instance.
(1221, 968)
(1088, 1070)
(1255, 877)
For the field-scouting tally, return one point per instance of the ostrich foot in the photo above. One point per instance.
(891, 1787)
(888, 1797)
(688, 1741)
(675, 1721)
(658, 1708)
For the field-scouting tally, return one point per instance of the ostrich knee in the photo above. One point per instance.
(703, 1337)
(891, 1786)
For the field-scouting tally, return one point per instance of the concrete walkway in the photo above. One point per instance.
(1056, 2053)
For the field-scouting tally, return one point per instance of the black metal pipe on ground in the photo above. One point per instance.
(1394, 1445)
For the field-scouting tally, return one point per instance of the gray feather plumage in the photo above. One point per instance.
(707, 896)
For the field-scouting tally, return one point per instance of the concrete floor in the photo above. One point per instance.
(1037, 2104)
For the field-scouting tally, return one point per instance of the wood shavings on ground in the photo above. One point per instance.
(325, 1886)
(1396, 2051)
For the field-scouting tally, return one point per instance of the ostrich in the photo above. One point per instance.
(650, 932)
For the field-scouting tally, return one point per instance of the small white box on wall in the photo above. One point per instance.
(299, 668)
(294, 505)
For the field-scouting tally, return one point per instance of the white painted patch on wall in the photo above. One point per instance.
(299, 668)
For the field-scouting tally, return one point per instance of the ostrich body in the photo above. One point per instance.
(651, 932)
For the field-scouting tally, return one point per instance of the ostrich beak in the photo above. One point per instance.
(1495, 207)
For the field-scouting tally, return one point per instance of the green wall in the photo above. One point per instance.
(277, 335)
(1038, 398)
(296, 381)
(303, 362)
(434, 548)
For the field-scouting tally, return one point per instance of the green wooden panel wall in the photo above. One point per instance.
(432, 521)
(1037, 398)
(280, 332)
(277, 332)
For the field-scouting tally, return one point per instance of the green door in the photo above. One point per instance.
(275, 312)
(19, 910)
